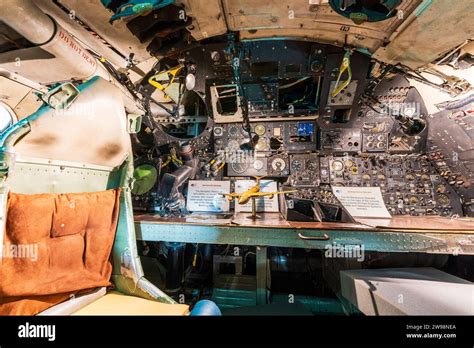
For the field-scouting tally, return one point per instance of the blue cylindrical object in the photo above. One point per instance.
(207, 308)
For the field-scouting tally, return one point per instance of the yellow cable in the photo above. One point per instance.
(176, 159)
(220, 167)
(195, 260)
(168, 160)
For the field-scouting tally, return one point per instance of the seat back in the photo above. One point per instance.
(59, 244)
(40, 180)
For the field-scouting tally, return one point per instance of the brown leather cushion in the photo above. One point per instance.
(71, 238)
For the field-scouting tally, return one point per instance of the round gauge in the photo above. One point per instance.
(441, 188)
(366, 177)
(354, 170)
(215, 56)
(278, 164)
(414, 200)
(425, 177)
(381, 177)
(337, 166)
(261, 145)
(258, 165)
(381, 137)
(409, 177)
(239, 167)
(233, 146)
(296, 165)
(312, 165)
(316, 65)
(443, 199)
(260, 129)
(218, 131)
(233, 130)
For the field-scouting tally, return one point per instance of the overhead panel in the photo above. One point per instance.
(208, 20)
(436, 29)
(303, 19)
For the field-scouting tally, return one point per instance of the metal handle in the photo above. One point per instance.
(323, 237)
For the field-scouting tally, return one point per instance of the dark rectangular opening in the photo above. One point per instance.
(260, 69)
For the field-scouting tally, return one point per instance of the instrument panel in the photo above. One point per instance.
(410, 185)
(276, 115)
(273, 144)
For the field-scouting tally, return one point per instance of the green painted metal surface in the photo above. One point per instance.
(128, 275)
(58, 177)
(274, 237)
(442, 243)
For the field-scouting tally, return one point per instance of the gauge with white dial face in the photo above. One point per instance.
(239, 167)
(337, 166)
(233, 146)
(258, 165)
(278, 164)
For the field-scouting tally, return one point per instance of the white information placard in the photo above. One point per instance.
(263, 204)
(206, 196)
(364, 202)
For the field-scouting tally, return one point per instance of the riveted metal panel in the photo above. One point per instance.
(442, 243)
(60, 177)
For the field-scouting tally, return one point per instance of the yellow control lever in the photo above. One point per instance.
(346, 65)
(171, 75)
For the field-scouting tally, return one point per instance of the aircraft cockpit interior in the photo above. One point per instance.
(297, 157)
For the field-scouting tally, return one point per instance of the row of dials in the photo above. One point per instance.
(409, 185)
(413, 180)
(275, 137)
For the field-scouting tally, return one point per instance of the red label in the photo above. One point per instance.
(72, 44)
